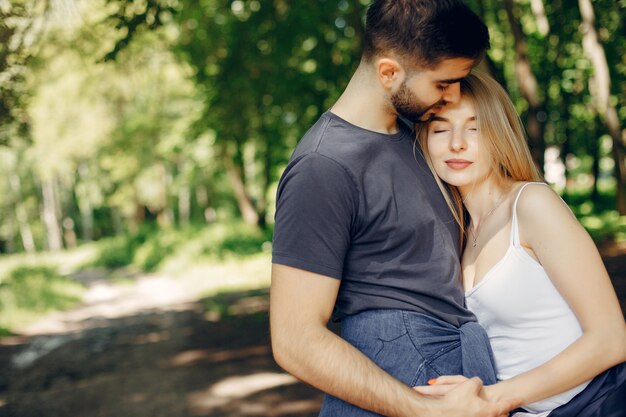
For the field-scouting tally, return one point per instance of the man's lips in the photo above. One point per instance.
(435, 109)
(458, 163)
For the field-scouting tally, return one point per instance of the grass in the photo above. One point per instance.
(219, 257)
(27, 292)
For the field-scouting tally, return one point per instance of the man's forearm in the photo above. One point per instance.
(329, 363)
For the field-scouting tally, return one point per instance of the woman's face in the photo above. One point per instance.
(454, 145)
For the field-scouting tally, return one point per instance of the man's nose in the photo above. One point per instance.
(452, 93)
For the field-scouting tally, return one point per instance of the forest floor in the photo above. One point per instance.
(152, 348)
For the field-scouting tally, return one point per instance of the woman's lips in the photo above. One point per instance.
(458, 163)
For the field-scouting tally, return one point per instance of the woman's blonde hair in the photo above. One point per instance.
(500, 131)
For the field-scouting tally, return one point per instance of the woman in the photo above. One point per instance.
(532, 275)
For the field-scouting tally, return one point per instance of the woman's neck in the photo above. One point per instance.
(482, 199)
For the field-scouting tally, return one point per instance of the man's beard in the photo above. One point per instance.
(408, 106)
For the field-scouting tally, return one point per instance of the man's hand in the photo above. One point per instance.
(464, 400)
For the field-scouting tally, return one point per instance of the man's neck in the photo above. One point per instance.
(364, 103)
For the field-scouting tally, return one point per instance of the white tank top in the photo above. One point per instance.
(528, 322)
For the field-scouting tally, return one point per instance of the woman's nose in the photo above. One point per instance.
(457, 142)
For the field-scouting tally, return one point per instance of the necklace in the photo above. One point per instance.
(477, 232)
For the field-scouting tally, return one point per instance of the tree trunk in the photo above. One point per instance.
(244, 201)
(9, 245)
(50, 218)
(487, 64)
(22, 216)
(265, 182)
(594, 151)
(86, 219)
(116, 221)
(543, 26)
(566, 146)
(163, 211)
(84, 205)
(536, 116)
(184, 205)
(600, 88)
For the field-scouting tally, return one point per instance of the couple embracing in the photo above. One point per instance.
(412, 213)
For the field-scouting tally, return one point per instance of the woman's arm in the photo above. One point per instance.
(549, 229)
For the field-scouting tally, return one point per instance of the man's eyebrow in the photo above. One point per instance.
(450, 81)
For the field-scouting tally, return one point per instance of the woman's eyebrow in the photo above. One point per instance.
(443, 119)
(450, 81)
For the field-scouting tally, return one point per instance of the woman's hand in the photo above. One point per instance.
(441, 386)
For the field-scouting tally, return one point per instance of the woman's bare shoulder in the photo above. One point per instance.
(541, 209)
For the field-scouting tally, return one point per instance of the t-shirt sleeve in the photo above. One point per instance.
(316, 206)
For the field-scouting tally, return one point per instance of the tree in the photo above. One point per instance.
(600, 88)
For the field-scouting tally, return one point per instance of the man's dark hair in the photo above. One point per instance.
(424, 32)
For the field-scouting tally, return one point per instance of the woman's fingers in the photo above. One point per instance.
(435, 390)
(448, 379)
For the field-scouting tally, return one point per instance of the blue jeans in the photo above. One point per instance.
(605, 396)
(413, 348)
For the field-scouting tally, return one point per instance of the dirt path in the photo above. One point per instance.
(150, 349)
(171, 361)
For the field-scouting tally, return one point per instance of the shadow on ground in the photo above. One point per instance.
(210, 358)
(207, 358)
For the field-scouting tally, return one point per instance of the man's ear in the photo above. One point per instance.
(390, 73)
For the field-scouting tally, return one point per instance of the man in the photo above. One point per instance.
(361, 227)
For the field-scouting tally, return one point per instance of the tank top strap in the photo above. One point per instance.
(514, 227)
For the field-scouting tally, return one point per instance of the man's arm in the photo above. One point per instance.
(301, 304)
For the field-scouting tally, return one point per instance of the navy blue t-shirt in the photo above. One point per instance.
(363, 207)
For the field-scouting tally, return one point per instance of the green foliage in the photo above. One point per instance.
(240, 240)
(149, 248)
(608, 225)
(119, 251)
(36, 289)
(598, 217)
(116, 252)
(5, 332)
(154, 111)
(158, 246)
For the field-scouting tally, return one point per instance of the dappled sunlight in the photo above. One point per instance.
(229, 304)
(191, 357)
(153, 337)
(242, 386)
(138, 397)
(249, 305)
(106, 300)
(236, 388)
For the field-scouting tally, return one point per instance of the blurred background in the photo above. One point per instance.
(140, 147)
